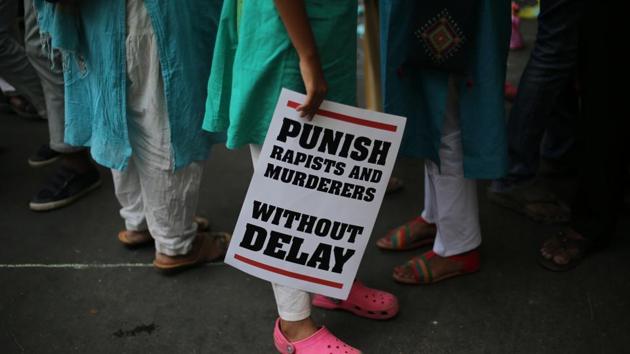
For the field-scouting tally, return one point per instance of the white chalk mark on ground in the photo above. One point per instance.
(84, 265)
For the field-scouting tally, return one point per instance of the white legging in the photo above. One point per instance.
(450, 200)
(293, 304)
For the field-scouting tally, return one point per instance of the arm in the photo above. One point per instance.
(295, 19)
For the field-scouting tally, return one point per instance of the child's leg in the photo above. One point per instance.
(254, 150)
(293, 304)
(456, 197)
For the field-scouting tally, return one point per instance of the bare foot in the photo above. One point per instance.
(298, 330)
(422, 230)
(394, 184)
(559, 251)
(132, 238)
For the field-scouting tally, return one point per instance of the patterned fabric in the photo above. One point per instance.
(444, 36)
(441, 37)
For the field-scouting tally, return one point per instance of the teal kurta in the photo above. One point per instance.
(420, 95)
(256, 59)
(92, 36)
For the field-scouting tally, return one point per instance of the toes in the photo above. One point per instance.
(561, 259)
(383, 242)
(403, 272)
(546, 252)
(550, 246)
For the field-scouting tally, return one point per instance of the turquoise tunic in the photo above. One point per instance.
(256, 59)
(421, 95)
(91, 36)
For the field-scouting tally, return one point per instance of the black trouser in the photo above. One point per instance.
(602, 134)
(546, 104)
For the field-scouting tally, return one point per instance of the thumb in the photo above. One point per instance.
(306, 108)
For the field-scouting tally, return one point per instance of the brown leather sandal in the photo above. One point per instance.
(207, 248)
(143, 238)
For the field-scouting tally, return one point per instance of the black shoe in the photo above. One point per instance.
(44, 156)
(63, 188)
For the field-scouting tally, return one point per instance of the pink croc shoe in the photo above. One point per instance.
(321, 341)
(362, 301)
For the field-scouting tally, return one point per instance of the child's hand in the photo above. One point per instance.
(316, 87)
(295, 19)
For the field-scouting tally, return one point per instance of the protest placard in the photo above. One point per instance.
(315, 195)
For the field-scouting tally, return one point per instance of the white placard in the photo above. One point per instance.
(315, 195)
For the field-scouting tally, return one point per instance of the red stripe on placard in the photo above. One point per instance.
(286, 273)
(349, 119)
